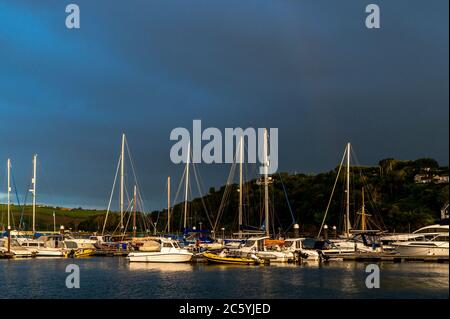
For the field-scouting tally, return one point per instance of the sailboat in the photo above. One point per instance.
(9, 244)
(351, 241)
(261, 246)
(39, 247)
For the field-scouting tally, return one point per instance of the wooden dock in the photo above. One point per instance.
(374, 257)
(6, 255)
(110, 253)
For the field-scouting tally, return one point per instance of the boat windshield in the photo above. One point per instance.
(441, 238)
(288, 243)
(249, 243)
(71, 244)
(175, 244)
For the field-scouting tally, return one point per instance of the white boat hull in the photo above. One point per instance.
(418, 250)
(276, 257)
(159, 257)
(49, 253)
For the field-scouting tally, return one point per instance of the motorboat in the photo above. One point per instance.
(15, 249)
(40, 248)
(427, 241)
(274, 252)
(227, 257)
(295, 246)
(422, 245)
(169, 251)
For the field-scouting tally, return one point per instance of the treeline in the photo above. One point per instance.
(393, 201)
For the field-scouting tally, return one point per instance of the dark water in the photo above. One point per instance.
(106, 277)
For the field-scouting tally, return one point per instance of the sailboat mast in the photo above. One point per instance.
(168, 204)
(33, 181)
(363, 212)
(8, 165)
(122, 159)
(241, 159)
(134, 211)
(266, 184)
(347, 206)
(186, 186)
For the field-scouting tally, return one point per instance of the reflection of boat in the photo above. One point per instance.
(162, 267)
(169, 252)
(226, 258)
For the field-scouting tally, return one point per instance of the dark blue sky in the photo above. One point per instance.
(310, 68)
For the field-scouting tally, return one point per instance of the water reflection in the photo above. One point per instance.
(163, 267)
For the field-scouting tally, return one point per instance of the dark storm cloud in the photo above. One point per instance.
(310, 68)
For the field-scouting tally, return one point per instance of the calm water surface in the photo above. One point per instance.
(106, 277)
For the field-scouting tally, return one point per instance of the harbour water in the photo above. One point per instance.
(106, 277)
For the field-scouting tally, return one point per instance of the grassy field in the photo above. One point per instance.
(71, 218)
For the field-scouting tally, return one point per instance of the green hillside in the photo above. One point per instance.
(395, 201)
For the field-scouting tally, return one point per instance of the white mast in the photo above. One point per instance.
(8, 165)
(122, 159)
(168, 204)
(187, 185)
(266, 183)
(33, 191)
(347, 206)
(241, 157)
(134, 210)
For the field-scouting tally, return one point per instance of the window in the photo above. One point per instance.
(249, 243)
(167, 245)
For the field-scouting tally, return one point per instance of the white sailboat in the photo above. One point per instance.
(350, 241)
(257, 245)
(10, 244)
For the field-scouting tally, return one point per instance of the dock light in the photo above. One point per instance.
(325, 232)
(223, 233)
(194, 228)
(335, 232)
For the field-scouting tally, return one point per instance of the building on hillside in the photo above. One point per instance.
(426, 178)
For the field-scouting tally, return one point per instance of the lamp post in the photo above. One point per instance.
(334, 232)
(223, 234)
(325, 231)
(296, 231)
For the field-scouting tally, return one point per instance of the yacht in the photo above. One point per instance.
(273, 252)
(169, 251)
(16, 249)
(40, 249)
(427, 241)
